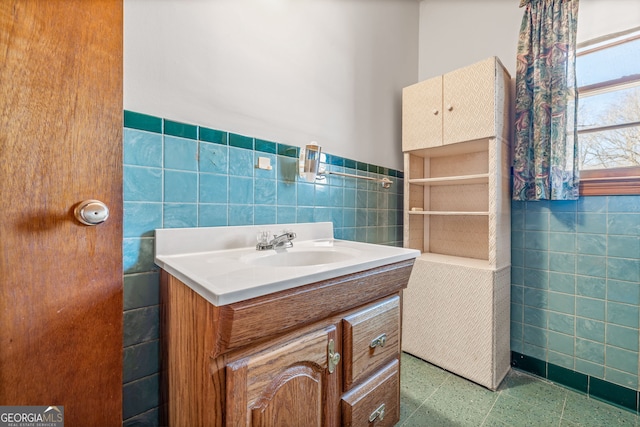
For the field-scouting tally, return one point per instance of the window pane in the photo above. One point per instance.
(608, 64)
(610, 149)
(610, 108)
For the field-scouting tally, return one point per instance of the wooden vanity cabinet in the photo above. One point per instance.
(324, 354)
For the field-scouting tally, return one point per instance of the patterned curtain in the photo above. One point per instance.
(545, 163)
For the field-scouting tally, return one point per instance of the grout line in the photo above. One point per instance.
(484, 420)
(427, 398)
(421, 405)
(564, 404)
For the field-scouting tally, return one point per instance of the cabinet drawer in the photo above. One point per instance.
(371, 338)
(376, 402)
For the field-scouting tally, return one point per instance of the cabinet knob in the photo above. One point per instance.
(450, 107)
(377, 414)
(379, 341)
(435, 112)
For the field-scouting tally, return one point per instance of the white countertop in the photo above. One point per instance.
(223, 266)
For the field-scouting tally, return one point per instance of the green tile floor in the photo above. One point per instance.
(432, 397)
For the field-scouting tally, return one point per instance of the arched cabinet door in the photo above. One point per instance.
(288, 385)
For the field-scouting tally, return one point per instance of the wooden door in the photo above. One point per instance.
(60, 143)
(469, 102)
(422, 115)
(286, 386)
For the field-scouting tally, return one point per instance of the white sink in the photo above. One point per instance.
(300, 256)
(223, 266)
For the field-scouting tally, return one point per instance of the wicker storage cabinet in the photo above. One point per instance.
(457, 212)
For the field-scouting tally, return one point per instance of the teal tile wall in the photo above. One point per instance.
(183, 175)
(576, 286)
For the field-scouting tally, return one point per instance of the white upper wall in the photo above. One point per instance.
(289, 71)
(597, 18)
(293, 71)
(456, 33)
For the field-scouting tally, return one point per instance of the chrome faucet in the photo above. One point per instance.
(278, 242)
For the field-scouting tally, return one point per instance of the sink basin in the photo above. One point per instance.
(222, 264)
(300, 257)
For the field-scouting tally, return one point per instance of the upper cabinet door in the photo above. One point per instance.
(422, 115)
(469, 102)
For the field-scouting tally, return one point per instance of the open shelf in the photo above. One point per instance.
(482, 178)
(457, 149)
(453, 185)
(455, 260)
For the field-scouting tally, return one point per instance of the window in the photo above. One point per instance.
(608, 73)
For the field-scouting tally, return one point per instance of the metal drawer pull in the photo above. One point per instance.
(333, 358)
(377, 414)
(379, 341)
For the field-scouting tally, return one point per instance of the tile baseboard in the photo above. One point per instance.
(596, 388)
